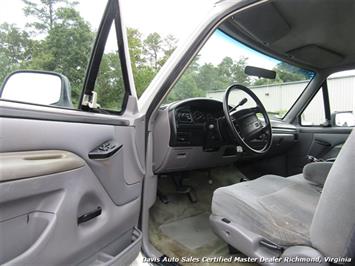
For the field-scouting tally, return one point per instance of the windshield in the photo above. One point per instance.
(221, 63)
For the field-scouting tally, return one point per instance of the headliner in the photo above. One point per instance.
(314, 34)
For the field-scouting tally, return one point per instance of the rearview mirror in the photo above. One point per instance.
(38, 87)
(343, 119)
(259, 72)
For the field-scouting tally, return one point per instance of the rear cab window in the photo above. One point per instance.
(334, 103)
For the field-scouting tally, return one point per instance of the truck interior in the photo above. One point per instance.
(276, 193)
(256, 165)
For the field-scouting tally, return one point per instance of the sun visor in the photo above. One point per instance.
(316, 56)
(263, 22)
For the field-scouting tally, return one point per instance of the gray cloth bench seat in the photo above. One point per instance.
(262, 206)
(308, 215)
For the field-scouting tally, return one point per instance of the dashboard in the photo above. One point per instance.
(193, 134)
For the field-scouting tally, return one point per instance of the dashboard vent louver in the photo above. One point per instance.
(184, 117)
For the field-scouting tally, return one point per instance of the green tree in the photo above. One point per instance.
(152, 49)
(142, 77)
(135, 46)
(208, 78)
(66, 48)
(44, 13)
(232, 72)
(187, 86)
(288, 73)
(142, 73)
(197, 80)
(15, 49)
(109, 84)
(168, 47)
(148, 56)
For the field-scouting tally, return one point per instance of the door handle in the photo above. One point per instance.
(90, 215)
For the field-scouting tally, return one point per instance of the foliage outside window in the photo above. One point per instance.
(109, 84)
(58, 38)
(148, 55)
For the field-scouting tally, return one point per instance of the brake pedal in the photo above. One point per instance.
(163, 198)
(192, 196)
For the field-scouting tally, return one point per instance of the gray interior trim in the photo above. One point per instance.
(150, 185)
(18, 165)
(108, 255)
(38, 215)
(30, 111)
(313, 53)
(297, 253)
(325, 130)
(325, 45)
(62, 197)
(121, 175)
(247, 241)
(272, 25)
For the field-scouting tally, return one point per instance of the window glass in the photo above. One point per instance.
(221, 63)
(109, 83)
(54, 36)
(341, 89)
(154, 32)
(314, 114)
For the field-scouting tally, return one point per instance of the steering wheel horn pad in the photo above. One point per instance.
(245, 124)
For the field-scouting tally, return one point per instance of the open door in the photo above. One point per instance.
(70, 180)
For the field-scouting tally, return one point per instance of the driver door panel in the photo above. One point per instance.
(59, 204)
(39, 212)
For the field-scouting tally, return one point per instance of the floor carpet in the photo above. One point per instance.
(197, 231)
(181, 228)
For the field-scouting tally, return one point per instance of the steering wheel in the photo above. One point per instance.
(245, 124)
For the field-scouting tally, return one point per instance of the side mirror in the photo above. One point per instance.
(343, 119)
(38, 87)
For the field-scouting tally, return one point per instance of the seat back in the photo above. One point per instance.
(333, 226)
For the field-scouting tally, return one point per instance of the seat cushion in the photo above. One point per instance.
(279, 209)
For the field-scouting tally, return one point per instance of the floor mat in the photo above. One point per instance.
(196, 231)
(183, 214)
